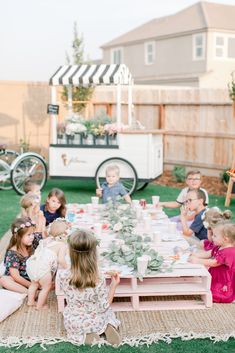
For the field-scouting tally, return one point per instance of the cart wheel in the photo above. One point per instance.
(141, 185)
(5, 172)
(8, 156)
(127, 173)
(28, 165)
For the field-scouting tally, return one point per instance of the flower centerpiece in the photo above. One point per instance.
(231, 90)
(129, 246)
(75, 129)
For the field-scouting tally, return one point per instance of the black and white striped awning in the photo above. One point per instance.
(78, 75)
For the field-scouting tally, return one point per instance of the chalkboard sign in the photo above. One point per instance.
(52, 109)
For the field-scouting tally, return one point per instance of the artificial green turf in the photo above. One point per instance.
(176, 346)
(80, 192)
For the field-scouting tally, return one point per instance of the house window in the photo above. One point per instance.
(199, 46)
(224, 46)
(116, 56)
(149, 53)
(231, 48)
(219, 47)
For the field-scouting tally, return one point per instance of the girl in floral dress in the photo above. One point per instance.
(21, 246)
(88, 313)
(221, 263)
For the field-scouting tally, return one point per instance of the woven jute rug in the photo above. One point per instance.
(28, 326)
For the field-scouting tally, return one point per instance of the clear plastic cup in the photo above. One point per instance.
(155, 200)
(142, 264)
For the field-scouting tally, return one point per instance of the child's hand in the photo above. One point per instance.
(99, 192)
(183, 212)
(115, 279)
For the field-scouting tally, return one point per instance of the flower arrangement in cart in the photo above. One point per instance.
(100, 130)
(129, 245)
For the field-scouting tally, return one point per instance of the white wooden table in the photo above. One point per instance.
(152, 293)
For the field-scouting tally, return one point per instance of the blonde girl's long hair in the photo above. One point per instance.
(61, 197)
(83, 254)
(27, 204)
(228, 231)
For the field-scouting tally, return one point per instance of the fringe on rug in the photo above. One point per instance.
(185, 336)
(131, 341)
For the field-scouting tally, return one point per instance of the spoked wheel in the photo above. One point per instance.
(5, 172)
(128, 175)
(141, 185)
(8, 156)
(28, 165)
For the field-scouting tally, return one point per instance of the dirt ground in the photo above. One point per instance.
(213, 185)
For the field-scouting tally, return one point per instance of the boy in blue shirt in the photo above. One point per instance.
(195, 201)
(112, 187)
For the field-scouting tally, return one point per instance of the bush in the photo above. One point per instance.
(224, 176)
(179, 173)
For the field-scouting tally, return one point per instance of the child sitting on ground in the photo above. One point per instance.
(88, 313)
(112, 187)
(221, 262)
(18, 251)
(30, 207)
(42, 265)
(195, 201)
(32, 187)
(55, 206)
(193, 181)
(211, 218)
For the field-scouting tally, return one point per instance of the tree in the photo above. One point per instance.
(78, 93)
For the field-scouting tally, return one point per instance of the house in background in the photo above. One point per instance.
(194, 47)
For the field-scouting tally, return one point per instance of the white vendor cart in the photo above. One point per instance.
(138, 153)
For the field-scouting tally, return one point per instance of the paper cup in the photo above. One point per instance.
(138, 211)
(135, 203)
(147, 223)
(97, 229)
(157, 237)
(94, 200)
(155, 200)
(89, 208)
(142, 264)
(172, 227)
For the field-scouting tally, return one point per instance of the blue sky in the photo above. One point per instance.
(35, 34)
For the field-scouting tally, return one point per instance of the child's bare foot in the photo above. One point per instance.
(31, 303)
(44, 307)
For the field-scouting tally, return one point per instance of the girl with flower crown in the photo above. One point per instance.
(42, 265)
(21, 246)
(88, 313)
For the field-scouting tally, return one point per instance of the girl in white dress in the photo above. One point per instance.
(42, 265)
(88, 313)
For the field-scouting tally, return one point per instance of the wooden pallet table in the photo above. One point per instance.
(146, 294)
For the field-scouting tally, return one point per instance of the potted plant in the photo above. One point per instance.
(75, 129)
(112, 131)
(231, 90)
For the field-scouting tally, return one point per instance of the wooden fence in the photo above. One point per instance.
(198, 125)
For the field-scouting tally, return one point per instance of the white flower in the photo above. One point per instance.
(125, 248)
(124, 218)
(117, 227)
(73, 128)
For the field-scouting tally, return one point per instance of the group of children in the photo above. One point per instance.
(40, 245)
